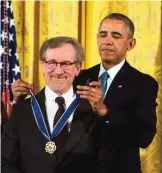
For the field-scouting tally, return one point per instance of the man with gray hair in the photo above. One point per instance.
(57, 131)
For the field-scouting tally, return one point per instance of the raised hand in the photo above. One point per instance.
(93, 93)
(20, 89)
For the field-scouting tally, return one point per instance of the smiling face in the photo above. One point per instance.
(58, 79)
(113, 42)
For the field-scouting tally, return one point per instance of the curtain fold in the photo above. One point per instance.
(39, 20)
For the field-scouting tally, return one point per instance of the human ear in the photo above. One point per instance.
(132, 44)
(78, 68)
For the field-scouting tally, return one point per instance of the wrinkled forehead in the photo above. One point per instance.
(65, 52)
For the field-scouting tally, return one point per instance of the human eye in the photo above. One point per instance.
(116, 35)
(102, 34)
(65, 64)
(51, 63)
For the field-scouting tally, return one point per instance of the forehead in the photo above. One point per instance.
(65, 52)
(110, 25)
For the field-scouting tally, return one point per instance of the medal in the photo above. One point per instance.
(50, 147)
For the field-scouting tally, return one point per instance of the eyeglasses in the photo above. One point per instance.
(65, 65)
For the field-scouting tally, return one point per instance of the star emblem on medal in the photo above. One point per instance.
(50, 147)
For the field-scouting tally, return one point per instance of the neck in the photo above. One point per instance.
(107, 65)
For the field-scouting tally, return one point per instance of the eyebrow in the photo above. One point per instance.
(114, 32)
(104, 32)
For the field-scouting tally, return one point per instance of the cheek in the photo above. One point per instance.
(119, 46)
(99, 42)
(43, 69)
(47, 73)
(72, 74)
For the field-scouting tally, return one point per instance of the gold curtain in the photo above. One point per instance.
(38, 20)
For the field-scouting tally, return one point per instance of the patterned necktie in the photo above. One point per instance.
(62, 137)
(103, 80)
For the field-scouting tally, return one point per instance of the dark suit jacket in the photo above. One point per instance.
(88, 149)
(132, 115)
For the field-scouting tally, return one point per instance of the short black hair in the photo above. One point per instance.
(118, 16)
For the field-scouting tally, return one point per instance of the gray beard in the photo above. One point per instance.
(57, 89)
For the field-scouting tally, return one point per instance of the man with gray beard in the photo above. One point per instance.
(58, 131)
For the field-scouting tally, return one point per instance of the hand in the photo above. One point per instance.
(20, 88)
(93, 93)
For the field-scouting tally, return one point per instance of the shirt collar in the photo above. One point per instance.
(112, 71)
(51, 95)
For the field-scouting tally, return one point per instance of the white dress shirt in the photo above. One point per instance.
(52, 106)
(112, 73)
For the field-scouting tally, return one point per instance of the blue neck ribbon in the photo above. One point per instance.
(61, 122)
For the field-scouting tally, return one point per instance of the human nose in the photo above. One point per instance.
(58, 69)
(108, 39)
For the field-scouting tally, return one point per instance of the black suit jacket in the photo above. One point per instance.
(88, 149)
(132, 113)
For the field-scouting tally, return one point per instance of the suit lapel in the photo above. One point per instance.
(80, 125)
(91, 73)
(95, 72)
(41, 100)
(119, 82)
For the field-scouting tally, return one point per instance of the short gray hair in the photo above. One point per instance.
(58, 42)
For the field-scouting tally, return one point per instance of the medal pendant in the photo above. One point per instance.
(50, 147)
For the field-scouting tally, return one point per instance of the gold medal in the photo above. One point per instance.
(50, 147)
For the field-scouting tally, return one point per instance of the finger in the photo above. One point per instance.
(20, 94)
(82, 92)
(97, 92)
(90, 98)
(95, 84)
(87, 88)
(21, 83)
(90, 94)
(82, 87)
(18, 82)
(21, 89)
(89, 91)
(17, 92)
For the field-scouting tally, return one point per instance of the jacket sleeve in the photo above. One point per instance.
(10, 146)
(143, 126)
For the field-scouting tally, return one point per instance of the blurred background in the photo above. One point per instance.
(36, 21)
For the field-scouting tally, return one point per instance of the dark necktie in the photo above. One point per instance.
(62, 137)
(103, 80)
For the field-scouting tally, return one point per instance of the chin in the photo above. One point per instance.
(107, 60)
(58, 89)
(61, 88)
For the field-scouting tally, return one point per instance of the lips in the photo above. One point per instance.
(107, 50)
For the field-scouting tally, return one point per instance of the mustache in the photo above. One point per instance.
(107, 47)
(59, 76)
